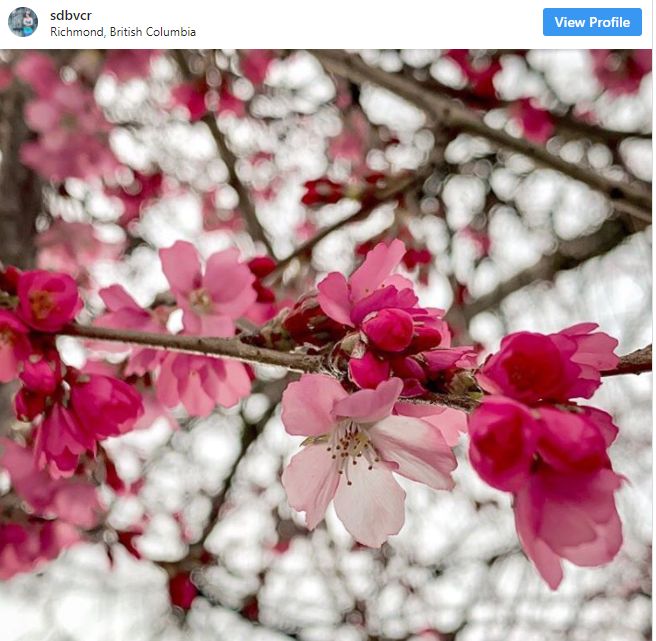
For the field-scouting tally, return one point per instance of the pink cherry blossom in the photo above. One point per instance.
(47, 300)
(213, 297)
(200, 383)
(450, 422)
(554, 460)
(255, 64)
(23, 548)
(74, 501)
(621, 72)
(568, 516)
(128, 64)
(60, 441)
(370, 288)
(72, 140)
(353, 446)
(503, 440)
(533, 367)
(14, 345)
(125, 313)
(536, 123)
(105, 405)
(38, 70)
(192, 96)
(73, 247)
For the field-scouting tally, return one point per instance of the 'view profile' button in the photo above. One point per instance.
(592, 22)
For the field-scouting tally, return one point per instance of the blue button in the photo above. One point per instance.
(592, 22)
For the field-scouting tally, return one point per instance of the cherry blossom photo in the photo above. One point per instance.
(325, 345)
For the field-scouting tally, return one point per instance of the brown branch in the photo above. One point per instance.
(246, 206)
(232, 348)
(391, 192)
(449, 112)
(637, 362)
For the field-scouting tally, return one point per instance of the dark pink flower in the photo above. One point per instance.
(533, 367)
(60, 441)
(322, 191)
(182, 590)
(23, 548)
(193, 97)
(503, 439)
(14, 345)
(536, 123)
(255, 64)
(569, 516)
(621, 71)
(106, 406)
(47, 300)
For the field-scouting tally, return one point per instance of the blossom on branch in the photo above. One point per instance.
(353, 445)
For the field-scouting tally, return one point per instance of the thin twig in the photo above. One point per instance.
(246, 206)
(635, 200)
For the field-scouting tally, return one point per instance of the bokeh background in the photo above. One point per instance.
(512, 245)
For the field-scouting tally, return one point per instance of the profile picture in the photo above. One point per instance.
(23, 22)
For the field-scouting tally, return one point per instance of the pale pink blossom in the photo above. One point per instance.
(72, 140)
(353, 445)
(73, 247)
(200, 383)
(210, 297)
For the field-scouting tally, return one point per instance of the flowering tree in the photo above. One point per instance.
(209, 254)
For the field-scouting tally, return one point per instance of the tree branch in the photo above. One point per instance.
(393, 191)
(246, 206)
(233, 348)
(628, 197)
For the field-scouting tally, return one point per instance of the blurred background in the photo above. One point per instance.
(217, 147)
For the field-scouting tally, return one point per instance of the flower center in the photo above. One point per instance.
(200, 301)
(41, 304)
(350, 443)
(7, 337)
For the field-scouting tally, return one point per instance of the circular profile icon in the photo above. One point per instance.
(23, 22)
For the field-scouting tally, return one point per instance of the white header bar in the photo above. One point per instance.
(275, 24)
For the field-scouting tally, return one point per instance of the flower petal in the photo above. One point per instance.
(310, 481)
(418, 449)
(307, 404)
(370, 405)
(334, 298)
(372, 508)
(377, 266)
(181, 266)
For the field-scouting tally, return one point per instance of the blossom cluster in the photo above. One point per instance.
(528, 437)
